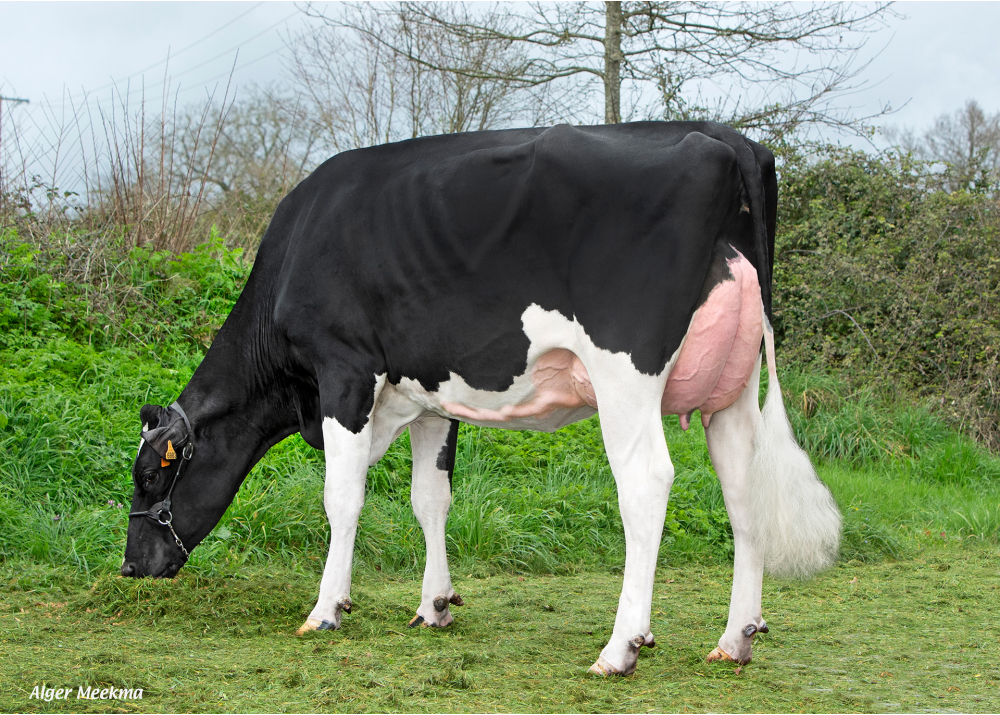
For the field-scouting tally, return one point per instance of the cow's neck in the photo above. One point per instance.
(237, 389)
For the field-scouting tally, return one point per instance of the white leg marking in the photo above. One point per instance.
(730, 437)
(633, 437)
(431, 498)
(347, 455)
(392, 413)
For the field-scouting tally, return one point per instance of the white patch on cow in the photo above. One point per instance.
(730, 438)
(430, 496)
(633, 437)
(347, 457)
(392, 413)
(145, 428)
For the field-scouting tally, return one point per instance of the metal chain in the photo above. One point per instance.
(177, 540)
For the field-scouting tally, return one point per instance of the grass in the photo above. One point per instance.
(909, 636)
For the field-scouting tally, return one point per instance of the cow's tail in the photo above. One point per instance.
(795, 522)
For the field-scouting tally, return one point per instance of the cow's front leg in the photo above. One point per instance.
(433, 440)
(629, 406)
(347, 456)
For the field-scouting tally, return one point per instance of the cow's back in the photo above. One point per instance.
(421, 257)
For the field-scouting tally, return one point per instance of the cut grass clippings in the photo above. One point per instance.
(909, 636)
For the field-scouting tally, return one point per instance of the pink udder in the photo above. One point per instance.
(720, 349)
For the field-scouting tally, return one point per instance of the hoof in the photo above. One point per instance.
(718, 654)
(419, 620)
(314, 624)
(456, 600)
(604, 668)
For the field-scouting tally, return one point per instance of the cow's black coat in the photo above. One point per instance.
(417, 259)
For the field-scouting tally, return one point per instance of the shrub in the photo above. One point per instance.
(893, 284)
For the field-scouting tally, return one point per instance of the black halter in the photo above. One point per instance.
(160, 512)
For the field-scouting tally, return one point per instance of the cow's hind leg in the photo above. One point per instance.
(347, 455)
(629, 408)
(785, 521)
(730, 439)
(433, 440)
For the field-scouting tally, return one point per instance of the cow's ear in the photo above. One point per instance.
(168, 439)
(150, 415)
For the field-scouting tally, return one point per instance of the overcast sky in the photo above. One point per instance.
(934, 58)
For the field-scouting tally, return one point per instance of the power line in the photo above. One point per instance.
(234, 47)
(179, 52)
(233, 70)
(143, 89)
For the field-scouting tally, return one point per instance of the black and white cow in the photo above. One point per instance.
(522, 279)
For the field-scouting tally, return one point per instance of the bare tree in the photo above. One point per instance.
(265, 145)
(772, 67)
(354, 67)
(968, 141)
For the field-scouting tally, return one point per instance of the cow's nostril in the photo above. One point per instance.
(128, 569)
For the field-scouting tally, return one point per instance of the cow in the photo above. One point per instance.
(521, 279)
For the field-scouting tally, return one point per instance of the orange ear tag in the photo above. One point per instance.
(171, 454)
(164, 463)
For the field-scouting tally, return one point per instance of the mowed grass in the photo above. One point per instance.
(914, 635)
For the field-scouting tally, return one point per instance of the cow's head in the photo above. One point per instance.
(179, 493)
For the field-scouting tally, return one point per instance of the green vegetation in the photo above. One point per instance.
(878, 281)
(884, 280)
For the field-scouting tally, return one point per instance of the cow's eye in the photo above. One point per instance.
(149, 477)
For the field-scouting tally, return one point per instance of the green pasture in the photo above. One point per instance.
(916, 635)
